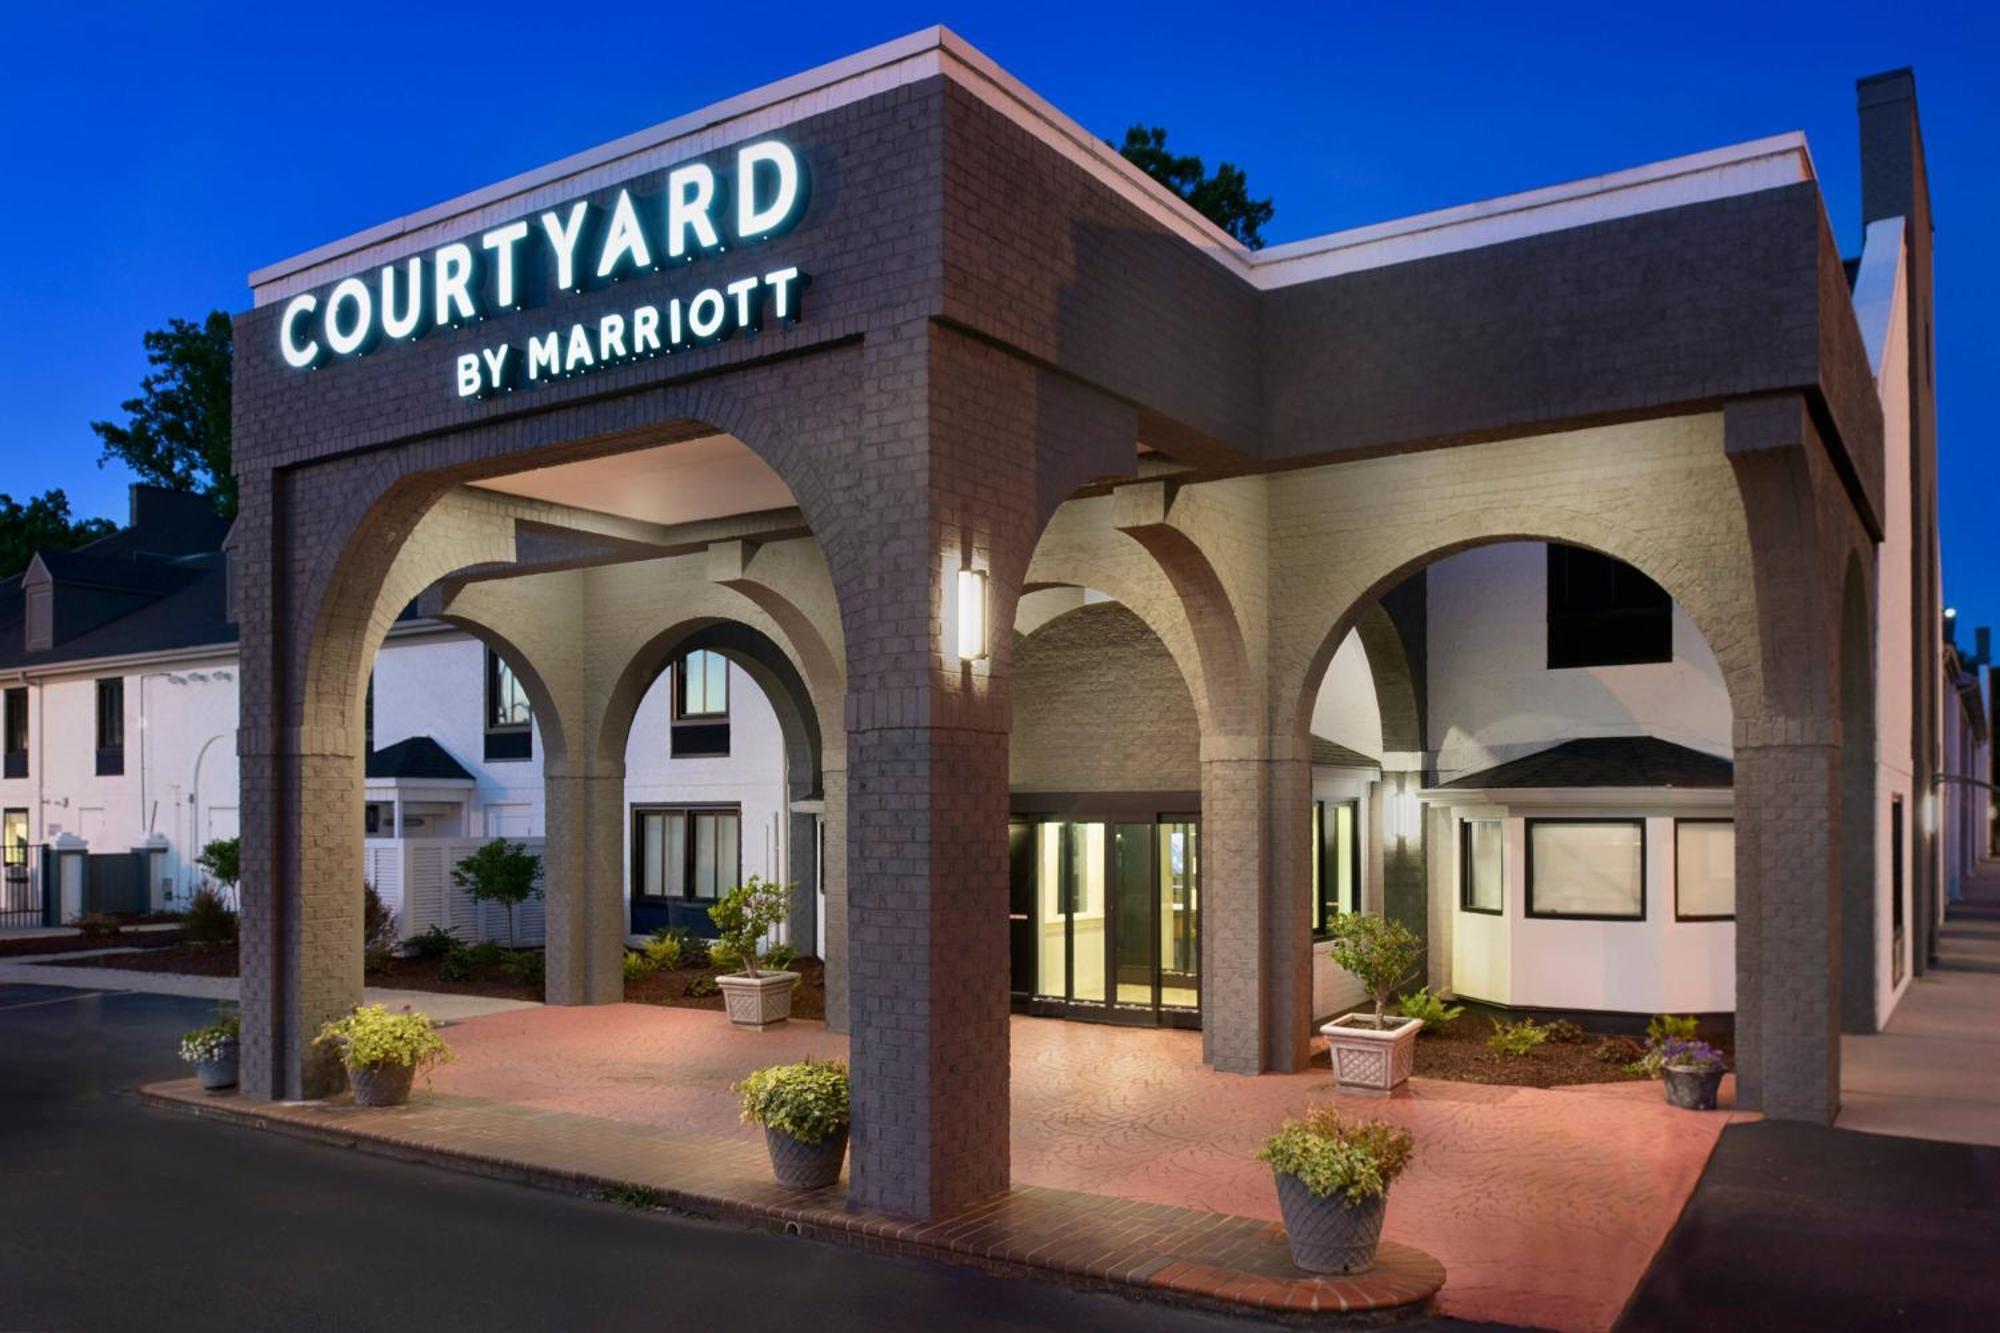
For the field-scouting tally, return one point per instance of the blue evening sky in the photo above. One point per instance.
(155, 154)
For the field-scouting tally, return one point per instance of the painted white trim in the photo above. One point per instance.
(1761, 164)
(1581, 798)
(121, 664)
(1878, 286)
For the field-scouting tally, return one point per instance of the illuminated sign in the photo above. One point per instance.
(578, 247)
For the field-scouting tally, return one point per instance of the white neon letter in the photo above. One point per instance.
(563, 236)
(297, 355)
(705, 312)
(645, 330)
(750, 219)
(579, 349)
(690, 197)
(404, 324)
(781, 284)
(453, 282)
(468, 375)
(542, 355)
(496, 364)
(349, 291)
(624, 238)
(743, 289)
(501, 241)
(610, 337)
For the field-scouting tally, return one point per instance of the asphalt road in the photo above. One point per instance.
(116, 1216)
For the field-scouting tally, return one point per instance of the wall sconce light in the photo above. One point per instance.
(1404, 814)
(971, 615)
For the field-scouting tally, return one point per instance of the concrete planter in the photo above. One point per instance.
(805, 1166)
(219, 1073)
(382, 1085)
(1691, 1089)
(761, 1001)
(1371, 1059)
(1329, 1235)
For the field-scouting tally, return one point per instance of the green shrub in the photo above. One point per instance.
(378, 931)
(700, 988)
(1516, 1038)
(722, 954)
(808, 1100)
(1329, 1156)
(743, 917)
(1380, 953)
(529, 967)
(223, 859)
(372, 1037)
(780, 956)
(695, 950)
(664, 952)
(98, 926)
(433, 944)
(636, 965)
(470, 962)
(1661, 1029)
(1434, 1010)
(210, 920)
(1565, 1033)
(500, 872)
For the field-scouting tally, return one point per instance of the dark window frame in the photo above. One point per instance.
(1898, 915)
(1465, 903)
(1694, 819)
(681, 712)
(704, 735)
(688, 810)
(1325, 884)
(1528, 890)
(110, 726)
(506, 742)
(14, 732)
(1630, 624)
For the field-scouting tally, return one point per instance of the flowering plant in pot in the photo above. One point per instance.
(755, 998)
(1692, 1071)
(804, 1111)
(1374, 1052)
(1333, 1180)
(213, 1052)
(384, 1052)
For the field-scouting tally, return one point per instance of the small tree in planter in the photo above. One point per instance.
(384, 1052)
(804, 1111)
(755, 998)
(1374, 1054)
(500, 872)
(213, 1052)
(1333, 1186)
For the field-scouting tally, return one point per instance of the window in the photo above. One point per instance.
(685, 853)
(1594, 869)
(509, 719)
(1704, 870)
(111, 727)
(1481, 867)
(16, 733)
(1603, 612)
(1336, 863)
(1895, 890)
(368, 715)
(701, 706)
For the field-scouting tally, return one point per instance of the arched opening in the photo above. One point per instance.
(1557, 820)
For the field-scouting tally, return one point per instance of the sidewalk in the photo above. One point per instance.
(1934, 1072)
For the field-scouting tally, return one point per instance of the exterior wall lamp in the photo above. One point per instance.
(1404, 814)
(971, 615)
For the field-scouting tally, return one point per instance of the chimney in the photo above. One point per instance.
(1982, 641)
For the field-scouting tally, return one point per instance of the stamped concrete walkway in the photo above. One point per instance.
(1544, 1206)
(1934, 1071)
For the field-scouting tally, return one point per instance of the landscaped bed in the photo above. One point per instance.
(657, 987)
(52, 944)
(1458, 1051)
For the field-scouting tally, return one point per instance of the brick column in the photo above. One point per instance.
(583, 877)
(1788, 930)
(1256, 929)
(833, 872)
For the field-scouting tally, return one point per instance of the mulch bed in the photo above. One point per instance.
(1458, 1052)
(670, 988)
(46, 944)
(176, 955)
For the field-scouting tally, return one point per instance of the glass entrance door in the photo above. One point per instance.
(1105, 920)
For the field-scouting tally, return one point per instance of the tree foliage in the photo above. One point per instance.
(500, 872)
(177, 430)
(1223, 198)
(44, 523)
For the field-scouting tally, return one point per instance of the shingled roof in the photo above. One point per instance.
(418, 759)
(1603, 761)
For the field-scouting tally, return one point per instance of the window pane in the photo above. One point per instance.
(507, 701)
(652, 852)
(704, 856)
(674, 858)
(1705, 869)
(1051, 926)
(1483, 869)
(717, 697)
(1586, 869)
(726, 847)
(1343, 899)
(1315, 906)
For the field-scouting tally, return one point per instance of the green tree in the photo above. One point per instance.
(177, 431)
(500, 872)
(1223, 198)
(42, 524)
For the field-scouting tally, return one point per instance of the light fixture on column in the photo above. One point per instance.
(1404, 815)
(971, 615)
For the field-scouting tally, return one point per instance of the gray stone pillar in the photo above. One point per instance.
(833, 872)
(583, 880)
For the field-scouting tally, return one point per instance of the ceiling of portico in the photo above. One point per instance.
(714, 476)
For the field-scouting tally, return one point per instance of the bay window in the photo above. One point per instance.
(1592, 869)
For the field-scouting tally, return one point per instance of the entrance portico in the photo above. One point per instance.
(1017, 356)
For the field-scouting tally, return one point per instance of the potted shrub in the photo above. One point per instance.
(384, 1052)
(755, 998)
(1374, 1053)
(213, 1052)
(1692, 1071)
(804, 1111)
(1333, 1186)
